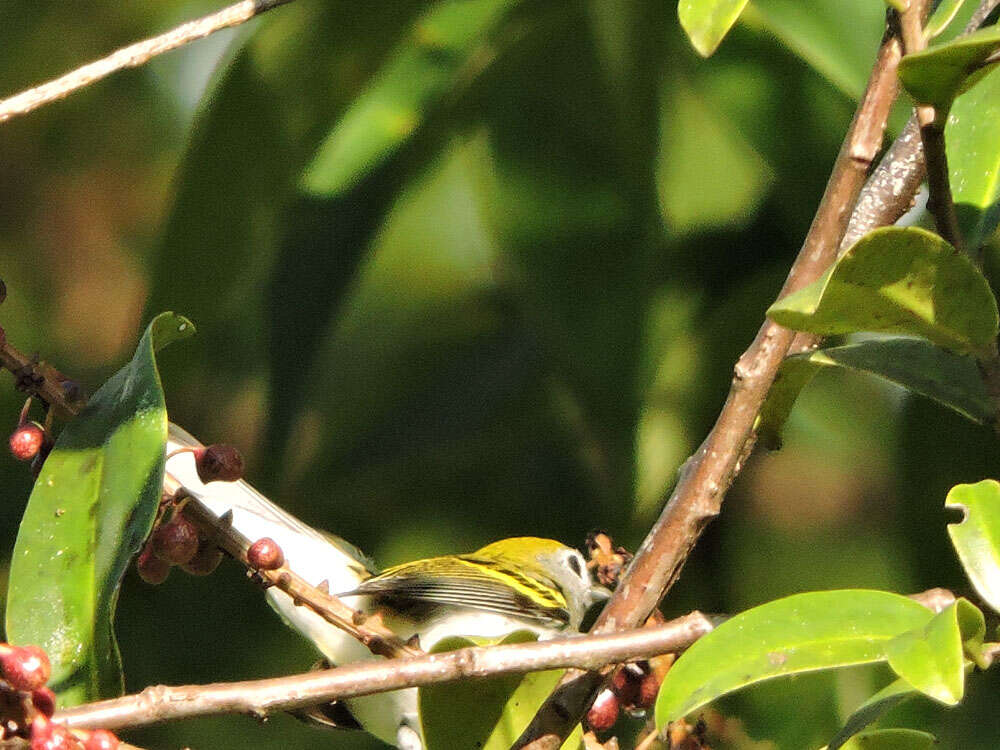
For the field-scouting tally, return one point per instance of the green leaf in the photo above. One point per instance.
(943, 15)
(707, 22)
(884, 700)
(892, 739)
(977, 536)
(939, 74)
(899, 5)
(921, 367)
(972, 137)
(488, 714)
(707, 173)
(446, 44)
(800, 633)
(835, 39)
(930, 658)
(898, 280)
(89, 512)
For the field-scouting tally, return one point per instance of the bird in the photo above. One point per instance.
(517, 584)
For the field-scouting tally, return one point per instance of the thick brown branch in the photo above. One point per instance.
(260, 697)
(133, 56)
(707, 475)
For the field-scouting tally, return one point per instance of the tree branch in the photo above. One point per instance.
(261, 697)
(133, 56)
(707, 475)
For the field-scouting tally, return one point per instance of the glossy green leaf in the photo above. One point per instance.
(897, 280)
(707, 22)
(89, 512)
(939, 74)
(977, 536)
(943, 15)
(892, 739)
(884, 700)
(899, 5)
(488, 714)
(972, 137)
(835, 39)
(952, 380)
(800, 633)
(930, 658)
(446, 44)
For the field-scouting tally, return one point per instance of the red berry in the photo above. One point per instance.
(265, 554)
(604, 713)
(649, 688)
(219, 462)
(25, 667)
(44, 701)
(26, 441)
(101, 739)
(151, 568)
(176, 541)
(46, 735)
(205, 560)
(625, 684)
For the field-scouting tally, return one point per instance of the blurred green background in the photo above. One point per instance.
(463, 270)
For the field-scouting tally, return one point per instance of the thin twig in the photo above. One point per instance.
(133, 56)
(932, 123)
(261, 697)
(40, 379)
(368, 630)
(705, 477)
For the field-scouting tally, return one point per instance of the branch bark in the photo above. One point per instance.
(261, 697)
(133, 56)
(707, 475)
(932, 123)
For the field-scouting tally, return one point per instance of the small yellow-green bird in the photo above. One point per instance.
(525, 583)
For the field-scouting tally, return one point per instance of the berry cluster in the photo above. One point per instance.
(633, 688)
(27, 705)
(175, 539)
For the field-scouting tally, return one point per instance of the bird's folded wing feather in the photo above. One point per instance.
(466, 581)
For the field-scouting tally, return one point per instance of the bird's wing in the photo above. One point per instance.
(467, 581)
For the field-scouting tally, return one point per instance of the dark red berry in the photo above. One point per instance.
(25, 667)
(649, 688)
(219, 463)
(176, 541)
(44, 701)
(151, 568)
(205, 560)
(604, 713)
(46, 735)
(265, 554)
(101, 739)
(625, 684)
(26, 441)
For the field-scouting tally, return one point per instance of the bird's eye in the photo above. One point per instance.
(576, 565)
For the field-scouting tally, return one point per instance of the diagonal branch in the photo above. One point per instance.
(707, 475)
(133, 56)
